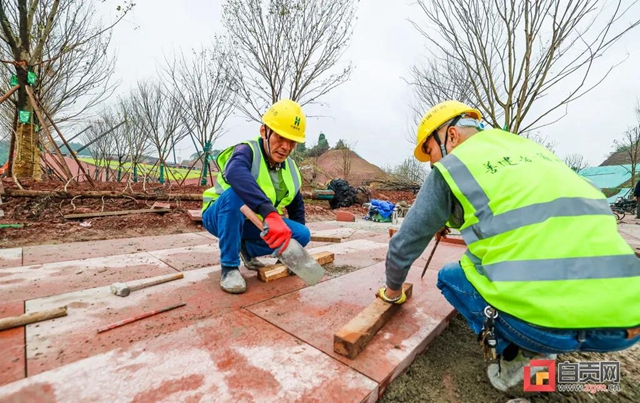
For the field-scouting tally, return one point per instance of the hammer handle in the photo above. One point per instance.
(32, 317)
(158, 281)
(252, 216)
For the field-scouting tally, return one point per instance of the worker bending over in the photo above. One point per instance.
(261, 174)
(545, 261)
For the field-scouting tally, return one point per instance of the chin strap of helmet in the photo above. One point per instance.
(268, 133)
(443, 147)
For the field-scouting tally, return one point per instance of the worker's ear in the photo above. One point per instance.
(454, 136)
(263, 133)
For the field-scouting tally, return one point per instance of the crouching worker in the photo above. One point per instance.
(546, 271)
(260, 174)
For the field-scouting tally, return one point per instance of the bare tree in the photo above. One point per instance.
(158, 116)
(100, 143)
(137, 142)
(203, 88)
(541, 139)
(288, 49)
(576, 162)
(411, 170)
(344, 160)
(629, 144)
(512, 54)
(41, 36)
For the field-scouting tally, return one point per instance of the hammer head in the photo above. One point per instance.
(120, 289)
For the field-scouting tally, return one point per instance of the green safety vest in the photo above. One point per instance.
(543, 244)
(260, 171)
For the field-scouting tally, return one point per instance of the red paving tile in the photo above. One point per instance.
(235, 357)
(10, 257)
(12, 364)
(314, 314)
(28, 282)
(74, 337)
(83, 250)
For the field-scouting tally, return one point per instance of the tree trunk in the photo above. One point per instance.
(26, 164)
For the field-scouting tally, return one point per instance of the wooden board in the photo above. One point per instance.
(112, 213)
(319, 238)
(157, 205)
(195, 215)
(355, 335)
(276, 271)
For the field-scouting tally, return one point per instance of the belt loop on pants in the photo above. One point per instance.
(582, 336)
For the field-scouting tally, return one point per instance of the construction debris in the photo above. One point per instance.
(99, 194)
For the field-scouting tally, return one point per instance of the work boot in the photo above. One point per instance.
(249, 262)
(507, 374)
(233, 282)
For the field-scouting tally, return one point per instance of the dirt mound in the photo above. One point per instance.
(345, 164)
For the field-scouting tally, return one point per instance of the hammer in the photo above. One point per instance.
(122, 289)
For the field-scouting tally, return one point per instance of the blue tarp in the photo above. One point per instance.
(625, 192)
(608, 177)
(385, 208)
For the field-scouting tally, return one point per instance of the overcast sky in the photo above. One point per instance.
(372, 109)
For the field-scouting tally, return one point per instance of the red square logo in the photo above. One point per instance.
(545, 381)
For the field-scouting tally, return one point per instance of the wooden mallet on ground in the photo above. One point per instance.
(123, 290)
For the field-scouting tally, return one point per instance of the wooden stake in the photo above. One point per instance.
(68, 147)
(32, 317)
(9, 93)
(355, 335)
(34, 103)
(112, 213)
(276, 271)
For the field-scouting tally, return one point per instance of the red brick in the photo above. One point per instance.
(392, 231)
(345, 216)
(161, 205)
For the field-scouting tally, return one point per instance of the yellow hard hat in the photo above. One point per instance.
(286, 118)
(436, 117)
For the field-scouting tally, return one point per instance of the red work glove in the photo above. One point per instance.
(278, 234)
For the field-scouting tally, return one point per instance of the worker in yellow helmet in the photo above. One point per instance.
(546, 271)
(261, 174)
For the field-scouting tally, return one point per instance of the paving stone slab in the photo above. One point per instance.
(10, 257)
(341, 233)
(12, 362)
(315, 314)
(35, 281)
(235, 357)
(190, 257)
(445, 253)
(55, 343)
(83, 250)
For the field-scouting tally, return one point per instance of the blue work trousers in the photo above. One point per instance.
(508, 329)
(224, 220)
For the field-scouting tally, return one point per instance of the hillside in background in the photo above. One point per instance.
(344, 164)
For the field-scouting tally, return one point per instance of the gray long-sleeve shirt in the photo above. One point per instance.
(434, 205)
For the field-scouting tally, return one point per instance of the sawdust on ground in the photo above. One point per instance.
(453, 370)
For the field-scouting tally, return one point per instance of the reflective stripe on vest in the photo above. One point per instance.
(575, 268)
(491, 225)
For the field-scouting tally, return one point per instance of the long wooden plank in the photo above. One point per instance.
(355, 335)
(32, 317)
(276, 271)
(320, 238)
(122, 212)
